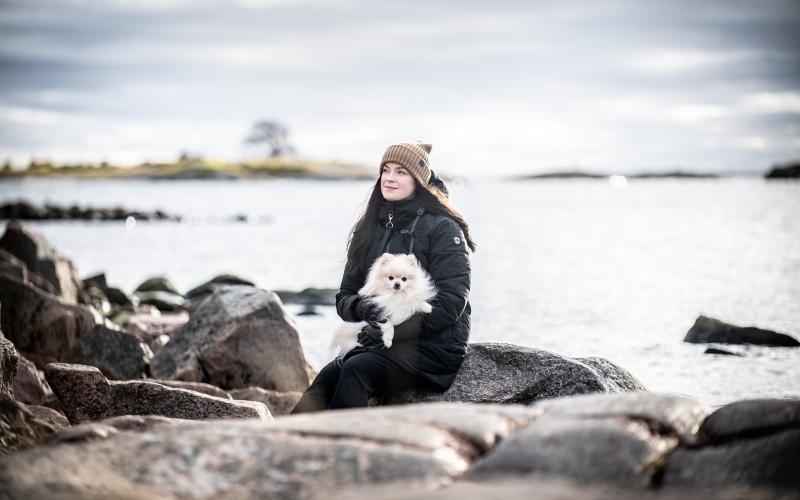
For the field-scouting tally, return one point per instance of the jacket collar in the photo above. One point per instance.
(403, 211)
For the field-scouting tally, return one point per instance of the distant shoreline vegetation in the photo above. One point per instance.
(194, 168)
(780, 171)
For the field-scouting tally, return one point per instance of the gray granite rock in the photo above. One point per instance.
(118, 354)
(200, 387)
(85, 394)
(766, 460)
(40, 258)
(30, 386)
(612, 450)
(748, 418)
(10, 265)
(55, 418)
(8, 366)
(107, 427)
(707, 329)
(279, 403)
(303, 456)
(507, 373)
(157, 284)
(665, 414)
(239, 336)
(41, 326)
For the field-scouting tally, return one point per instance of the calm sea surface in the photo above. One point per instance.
(578, 267)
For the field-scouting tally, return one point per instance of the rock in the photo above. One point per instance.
(208, 287)
(200, 387)
(665, 414)
(788, 171)
(708, 330)
(507, 373)
(303, 456)
(146, 327)
(164, 301)
(309, 296)
(98, 280)
(120, 298)
(771, 460)
(715, 350)
(85, 394)
(157, 284)
(30, 386)
(751, 417)
(49, 415)
(95, 297)
(22, 210)
(107, 427)
(118, 354)
(40, 258)
(19, 428)
(41, 326)
(279, 403)
(598, 450)
(239, 336)
(8, 366)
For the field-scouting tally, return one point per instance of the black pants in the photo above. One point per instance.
(350, 384)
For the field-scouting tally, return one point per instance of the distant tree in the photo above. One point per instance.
(7, 166)
(273, 136)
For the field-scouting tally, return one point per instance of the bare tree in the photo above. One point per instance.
(273, 135)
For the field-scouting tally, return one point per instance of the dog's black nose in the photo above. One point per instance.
(397, 286)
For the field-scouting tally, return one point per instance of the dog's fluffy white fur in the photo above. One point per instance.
(401, 286)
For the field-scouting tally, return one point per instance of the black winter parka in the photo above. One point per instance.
(435, 352)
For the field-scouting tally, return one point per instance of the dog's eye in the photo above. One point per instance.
(404, 278)
(391, 278)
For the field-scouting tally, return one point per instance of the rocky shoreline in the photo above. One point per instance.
(158, 394)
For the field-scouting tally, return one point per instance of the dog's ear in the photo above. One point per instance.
(411, 259)
(386, 256)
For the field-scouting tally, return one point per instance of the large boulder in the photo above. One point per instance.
(300, 456)
(118, 354)
(41, 326)
(708, 330)
(754, 443)
(8, 366)
(40, 258)
(85, 394)
(507, 373)
(239, 336)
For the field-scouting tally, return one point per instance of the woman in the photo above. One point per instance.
(408, 212)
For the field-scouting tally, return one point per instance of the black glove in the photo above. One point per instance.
(370, 336)
(369, 311)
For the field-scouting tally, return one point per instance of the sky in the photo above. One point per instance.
(498, 88)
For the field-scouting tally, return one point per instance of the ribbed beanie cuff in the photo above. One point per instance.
(411, 155)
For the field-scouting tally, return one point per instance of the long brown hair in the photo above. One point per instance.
(365, 229)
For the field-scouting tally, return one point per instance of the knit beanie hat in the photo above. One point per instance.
(411, 155)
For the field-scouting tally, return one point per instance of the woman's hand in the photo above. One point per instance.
(370, 336)
(369, 311)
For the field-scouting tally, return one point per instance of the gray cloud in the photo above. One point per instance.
(528, 85)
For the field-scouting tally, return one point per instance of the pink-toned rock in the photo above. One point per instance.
(239, 336)
(41, 326)
(30, 386)
(209, 389)
(279, 403)
(40, 258)
(85, 394)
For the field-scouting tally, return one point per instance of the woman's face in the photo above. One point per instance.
(396, 183)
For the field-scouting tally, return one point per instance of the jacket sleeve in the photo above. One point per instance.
(347, 297)
(449, 267)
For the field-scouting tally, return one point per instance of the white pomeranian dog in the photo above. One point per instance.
(401, 286)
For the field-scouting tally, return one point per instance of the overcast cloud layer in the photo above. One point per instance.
(497, 87)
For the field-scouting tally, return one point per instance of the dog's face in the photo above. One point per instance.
(397, 272)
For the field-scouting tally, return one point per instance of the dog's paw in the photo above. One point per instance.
(426, 308)
(387, 340)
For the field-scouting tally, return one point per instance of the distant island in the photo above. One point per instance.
(567, 174)
(196, 168)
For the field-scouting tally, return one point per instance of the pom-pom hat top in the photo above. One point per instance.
(411, 155)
